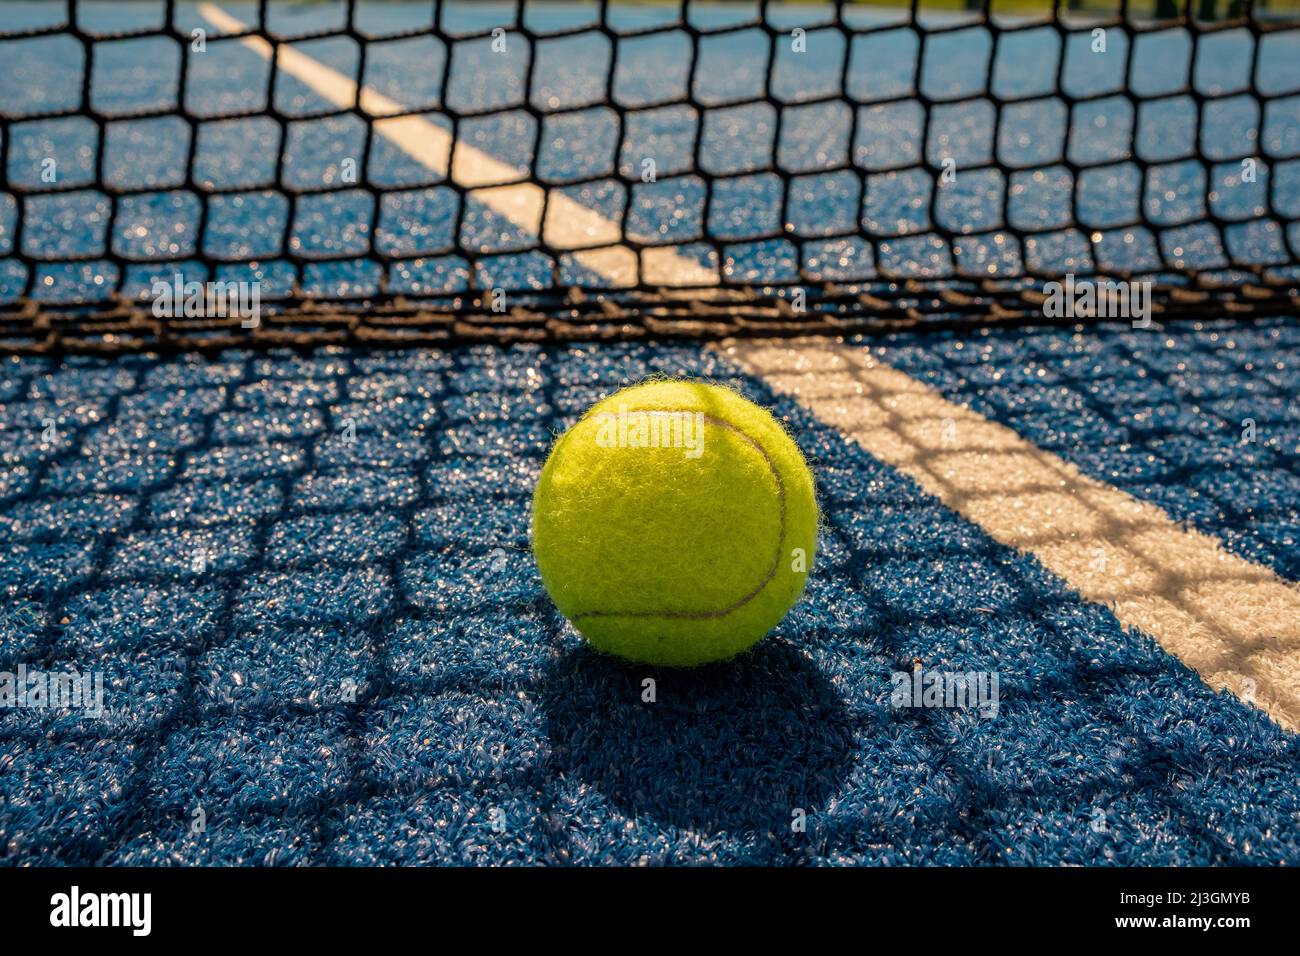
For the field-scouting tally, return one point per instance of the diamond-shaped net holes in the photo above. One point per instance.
(614, 170)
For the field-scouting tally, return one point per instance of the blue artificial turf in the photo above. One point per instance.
(339, 652)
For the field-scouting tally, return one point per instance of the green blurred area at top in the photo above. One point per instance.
(1205, 10)
(1208, 10)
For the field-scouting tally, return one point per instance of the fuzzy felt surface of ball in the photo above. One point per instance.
(675, 523)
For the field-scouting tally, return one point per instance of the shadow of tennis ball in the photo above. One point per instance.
(733, 746)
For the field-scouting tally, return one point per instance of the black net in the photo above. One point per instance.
(393, 173)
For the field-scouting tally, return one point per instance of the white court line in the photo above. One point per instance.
(569, 224)
(1236, 623)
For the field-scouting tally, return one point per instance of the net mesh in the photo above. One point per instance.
(434, 174)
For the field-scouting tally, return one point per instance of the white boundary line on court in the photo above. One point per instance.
(568, 224)
(1236, 623)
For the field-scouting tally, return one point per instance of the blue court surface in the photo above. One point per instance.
(400, 562)
(305, 577)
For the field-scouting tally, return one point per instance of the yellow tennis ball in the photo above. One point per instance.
(675, 523)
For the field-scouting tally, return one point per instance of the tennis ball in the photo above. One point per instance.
(675, 523)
